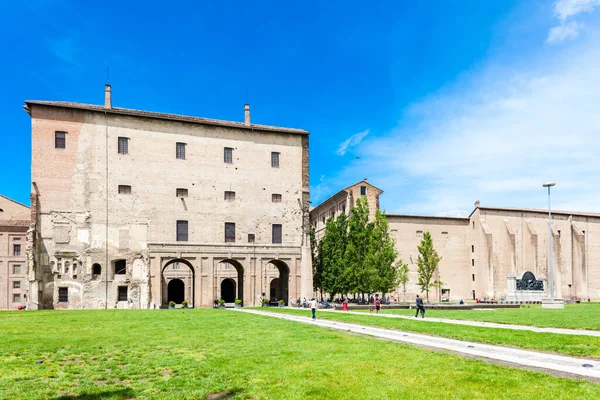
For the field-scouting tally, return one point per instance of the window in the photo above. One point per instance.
(122, 293)
(472, 248)
(229, 232)
(229, 196)
(175, 265)
(181, 192)
(180, 151)
(419, 233)
(472, 262)
(276, 233)
(444, 233)
(96, 269)
(16, 284)
(16, 249)
(276, 198)
(182, 231)
(473, 275)
(16, 269)
(123, 145)
(120, 267)
(558, 231)
(124, 189)
(323, 219)
(16, 298)
(228, 155)
(473, 224)
(63, 295)
(275, 160)
(363, 190)
(251, 238)
(60, 140)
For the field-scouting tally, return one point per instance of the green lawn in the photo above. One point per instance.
(178, 354)
(573, 345)
(574, 316)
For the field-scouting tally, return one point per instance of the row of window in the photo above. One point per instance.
(276, 233)
(60, 142)
(63, 294)
(181, 192)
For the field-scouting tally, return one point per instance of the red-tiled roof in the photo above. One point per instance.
(164, 116)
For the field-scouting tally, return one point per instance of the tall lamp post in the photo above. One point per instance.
(551, 272)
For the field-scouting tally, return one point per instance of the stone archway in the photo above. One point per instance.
(228, 290)
(176, 291)
(181, 270)
(240, 277)
(283, 282)
(275, 289)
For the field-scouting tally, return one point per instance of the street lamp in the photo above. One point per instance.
(549, 185)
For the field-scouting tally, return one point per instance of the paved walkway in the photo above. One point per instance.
(525, 358)
(560, 331)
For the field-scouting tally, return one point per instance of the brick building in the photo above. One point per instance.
(133, 209)
(14, 223)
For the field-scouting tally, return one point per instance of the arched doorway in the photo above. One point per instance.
(228, 290)
(178, 282)
(239, 271)
(176, 291)
(280, 286)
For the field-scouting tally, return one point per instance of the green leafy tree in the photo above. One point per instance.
(427, 264)
(358, 274)
(402, 277)
(380, 256)
(332, 253)
(317, 265)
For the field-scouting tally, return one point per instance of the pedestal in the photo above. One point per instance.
(553, 303)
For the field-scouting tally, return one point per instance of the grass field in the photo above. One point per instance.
(573, 345)
(179, 354)
(574, 316)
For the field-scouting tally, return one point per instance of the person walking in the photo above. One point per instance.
(420, 307)
(313, 308)
(377, 304)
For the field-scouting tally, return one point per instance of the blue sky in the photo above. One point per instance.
(438, 103)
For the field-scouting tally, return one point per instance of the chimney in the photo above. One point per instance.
(107, 96)
(247, 114)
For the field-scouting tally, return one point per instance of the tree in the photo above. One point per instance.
(381, 253)
(358, 276)
(332, 252)
(317, 265)
(427, 264)
(402, 276)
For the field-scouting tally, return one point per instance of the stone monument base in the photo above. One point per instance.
(553, 303)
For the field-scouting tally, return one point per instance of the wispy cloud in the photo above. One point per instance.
(565, 10)
(351, 141)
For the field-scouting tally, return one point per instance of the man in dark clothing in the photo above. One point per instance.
(420, 307)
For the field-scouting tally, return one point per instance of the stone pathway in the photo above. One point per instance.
(560, 331)
(524, 358)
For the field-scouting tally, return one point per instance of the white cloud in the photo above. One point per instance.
(564, 10)
(564, 31)
(351, 141)
(497, 137)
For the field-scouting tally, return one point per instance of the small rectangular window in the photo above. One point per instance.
(229, 232)
(182, 231)
(181, 192)
(363, 190)
(63, 295)
(16, 269)
(276, 198)
(122, 293)
(473, 277)
(124, 189)
(16, 298)
(277, 233)
(60, 140)
(228, 155)
(444, 233)
(472, 248)
(419, 233)
(251, 238)
(123, 145)
(472, 262)
(275, 160)
(180, 151)
(16, 249)
(16, 284)
(229, 196)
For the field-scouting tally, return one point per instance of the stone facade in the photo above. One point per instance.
(485, 255)
(14, 223)
(134, 194)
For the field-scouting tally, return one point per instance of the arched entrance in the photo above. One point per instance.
(239, 270)
(228, 290)
(280, 286)
(178, 282)
(176, 291)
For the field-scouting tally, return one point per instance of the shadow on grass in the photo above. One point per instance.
(106, 394)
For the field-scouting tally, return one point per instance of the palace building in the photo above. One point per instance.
(135, 209)
(494, 253)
